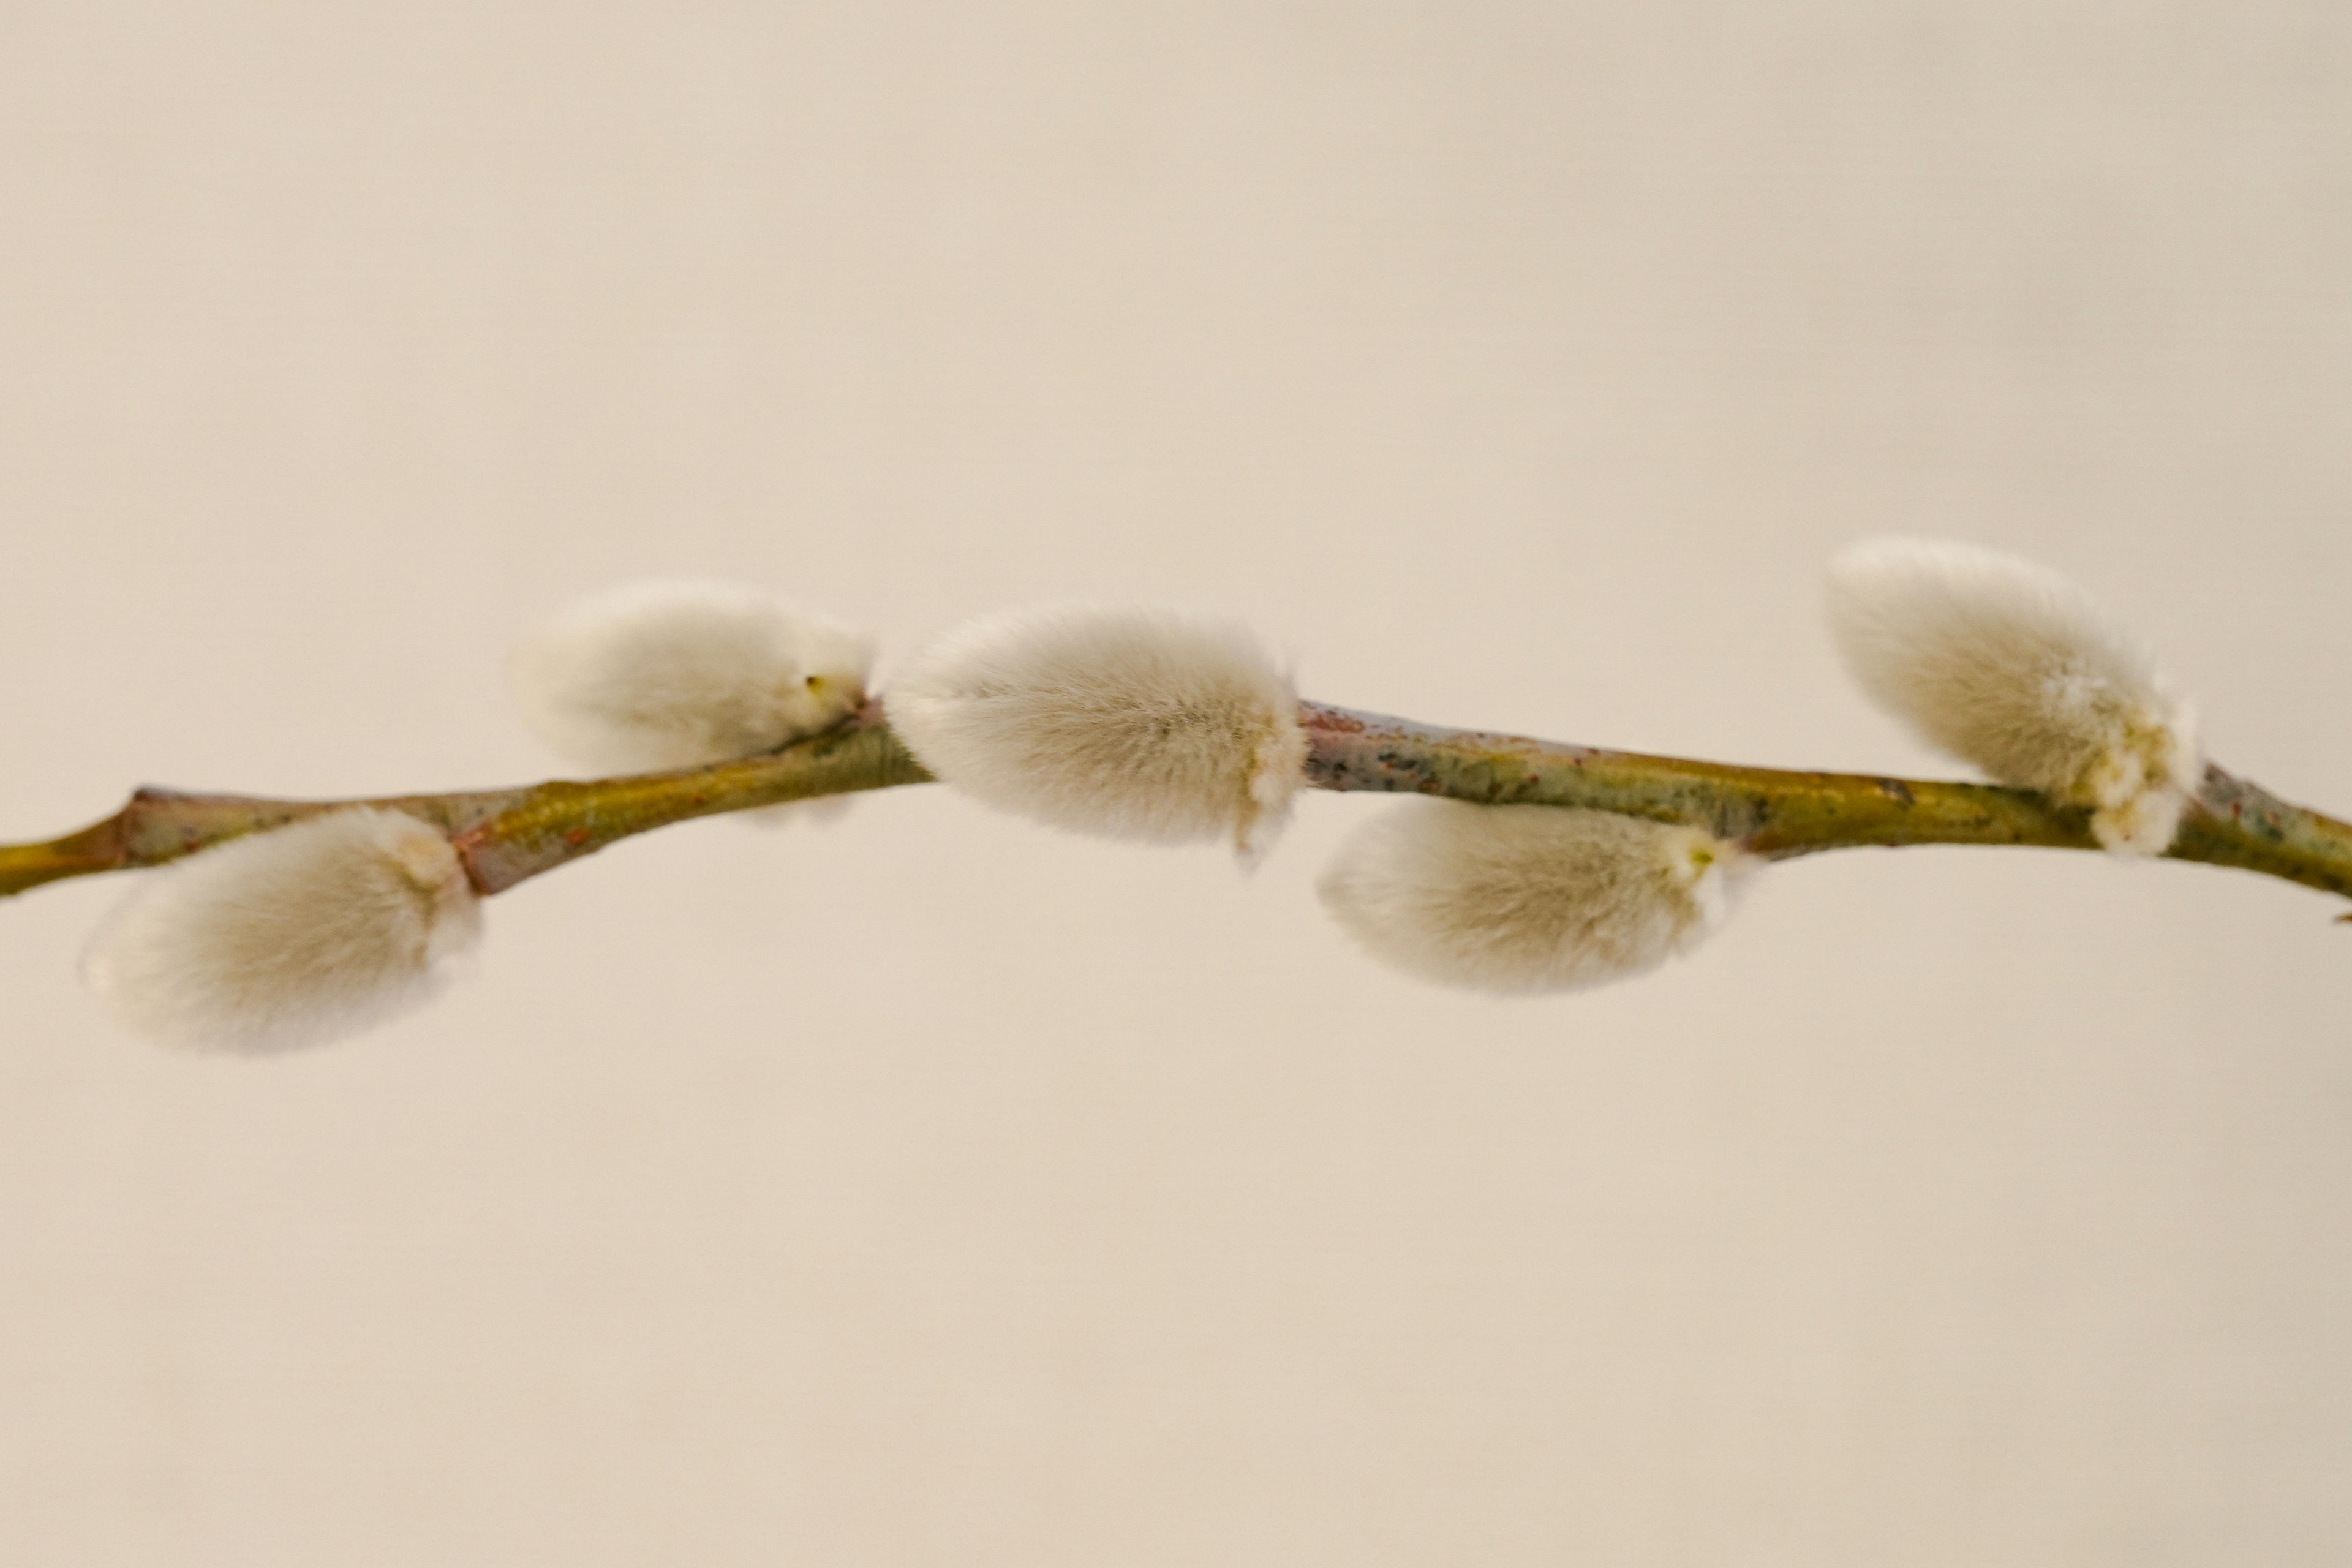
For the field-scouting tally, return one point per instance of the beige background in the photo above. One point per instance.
(935, 1190)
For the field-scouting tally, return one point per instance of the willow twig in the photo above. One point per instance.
(506, 835)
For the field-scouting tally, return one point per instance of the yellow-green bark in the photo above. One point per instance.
(506, 836)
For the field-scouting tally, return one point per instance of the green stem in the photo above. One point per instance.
(506, 835)
(555, 824)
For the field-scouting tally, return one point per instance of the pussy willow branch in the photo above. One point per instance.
(506, 835)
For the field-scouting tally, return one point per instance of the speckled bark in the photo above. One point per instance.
(1781, 813)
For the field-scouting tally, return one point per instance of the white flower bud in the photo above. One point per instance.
(1528, 898)
(2004, 665)
(677, 674)
(287, 938)
(1136, 723)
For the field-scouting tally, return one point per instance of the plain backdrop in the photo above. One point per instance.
(933, 1189)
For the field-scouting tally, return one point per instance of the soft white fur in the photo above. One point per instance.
(677, 674)
(288, 938)
(1137, 723)
(1527, 898)
(2014, 668)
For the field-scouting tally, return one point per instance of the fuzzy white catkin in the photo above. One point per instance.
(1145, 724)
(2009, 667)
(288, 938)
(677, 674)
(1528, 898)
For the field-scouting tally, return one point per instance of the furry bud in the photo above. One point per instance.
(1136, 723)
(2012, 668)
(1528, 898)
(677, 674)
(287, 938)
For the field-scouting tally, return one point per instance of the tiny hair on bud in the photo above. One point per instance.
(1133, 723)
(2012, 668)
(288, 938)
(677, 674)
(1520, 898)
